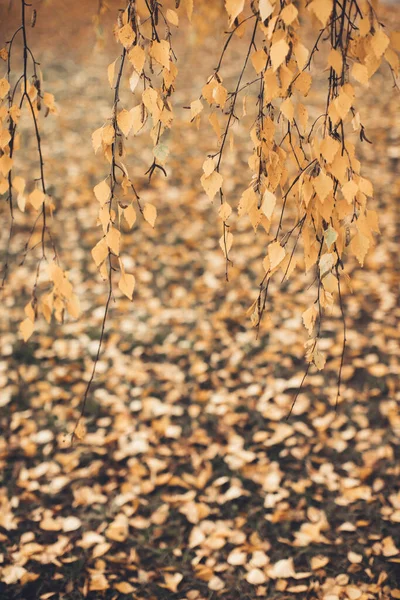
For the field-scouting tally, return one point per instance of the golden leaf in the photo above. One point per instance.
(111, 72)
(102, 192)
(172, 17)
(225, 211)
(259, 60)
(211, 184)
(360, 73)
(4, 88)
(113, 238)
(276, 254)
(160, 52)
(137, 57)
(150, 213)
(26, 328)
(126, 36)
(268, 204)
(100, 252)
(322, 10)
(278, 53)
(124, 120)
(36, 198)
(130, 215)
(127, 284)
(233, 8)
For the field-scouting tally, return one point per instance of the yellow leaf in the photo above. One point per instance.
(213, 120)
(278, 53)
(160, 52)
(124, 120)
(349, 190)
(360, 73)
(139, 116)
(335, 60)
(266, 9)
(127, 284)
(130, 215)
(126, 36)
(113, 238)
(259, 60)
(329, 148)
(212, 183)
(48, 100)
(134, 80)
(102, 192)
(36, 198)
(208, 166)
(100, 252)
(19, 184)
(276, 254)
(6, 164)
(111, 72)
(289, 14)
(4, 88)
(172, 17)
(301, 53)
(322, 10)
(26, 328)
(80, 430)
(323, 185)
(379, 42)
(137, 57)
(233, 8)
(97, 138)
(150, 213)
(108, 134)
(268, 204)
(256, 577)
(124, 587)
(225, 211)
(303, 83)
(287, 109)
(359, 246)
(172, 581)
(309, 317)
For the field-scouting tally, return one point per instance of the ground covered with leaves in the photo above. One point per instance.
(190, 482)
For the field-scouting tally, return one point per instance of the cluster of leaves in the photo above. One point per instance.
(19, 92)
(308, 170)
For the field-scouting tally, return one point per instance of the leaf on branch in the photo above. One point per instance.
(26, 328)
(266, 9)
(150, 213)
(100, 252)
(113, 238)
(160, 52)
(111, 72)
(137, 57)
(212, 183)
(322, 9)
(278, 53)
(233, 8)
(126, 36)
(4, 88)
(276, 254)
(102, 192)
(36, 198)
(127, 284)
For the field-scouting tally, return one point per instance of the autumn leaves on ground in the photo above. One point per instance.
(189, 482)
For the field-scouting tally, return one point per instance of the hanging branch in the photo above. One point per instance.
(26, 91)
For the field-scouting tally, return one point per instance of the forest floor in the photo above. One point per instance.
(190, 482)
